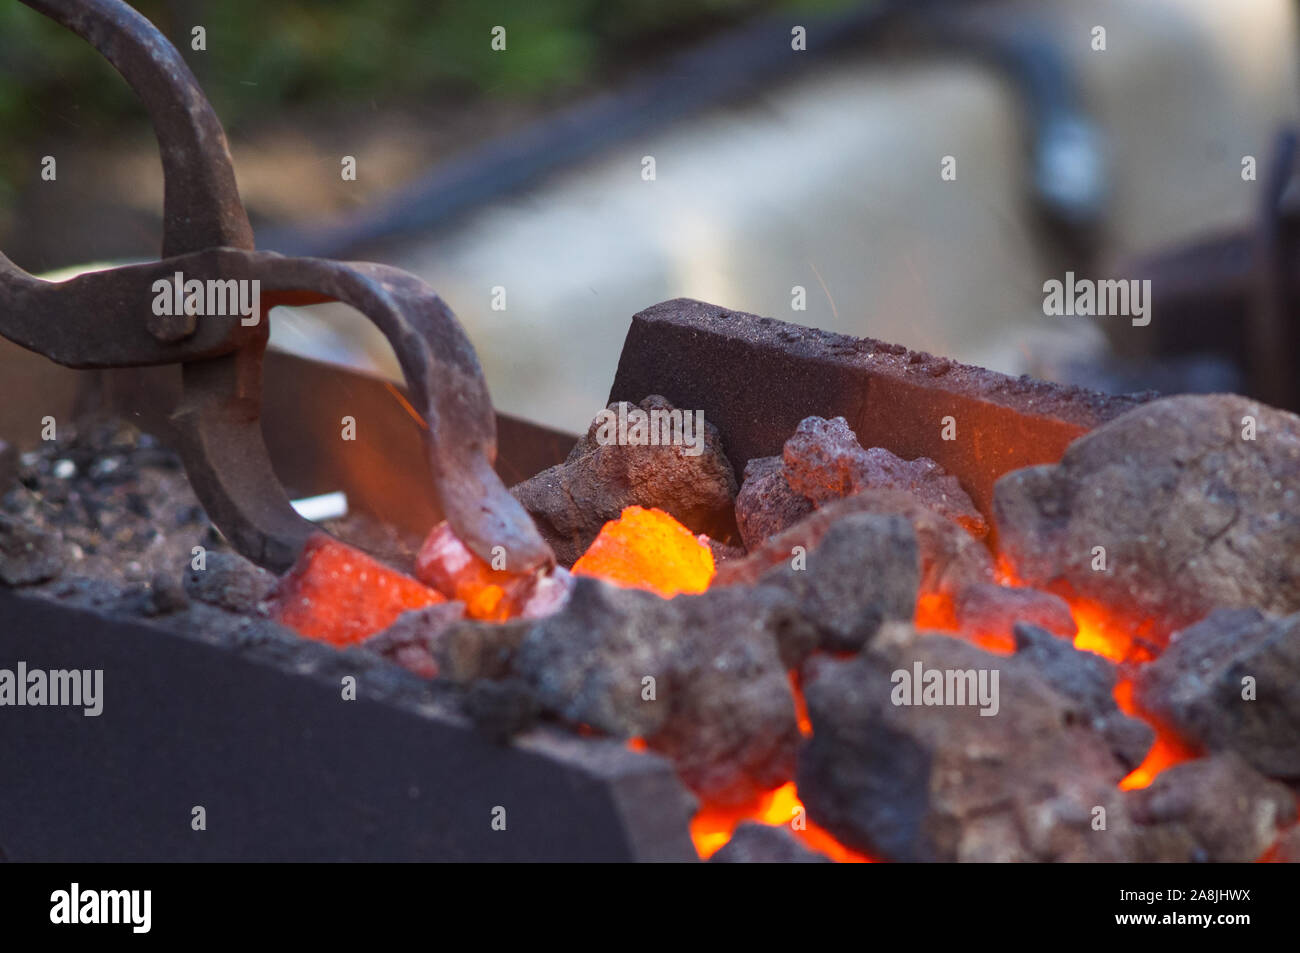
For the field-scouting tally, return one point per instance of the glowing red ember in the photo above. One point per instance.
(492, 595)
(338, 594)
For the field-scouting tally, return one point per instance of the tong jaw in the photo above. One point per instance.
(103, 320)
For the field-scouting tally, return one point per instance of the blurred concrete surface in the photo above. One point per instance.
(832, 183)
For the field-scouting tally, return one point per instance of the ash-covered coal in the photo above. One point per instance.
(1232, 683)
(1216, 809)
(229, 581)
(824, 474)
(903, 776)
(103, 502)
(701, 678)
(686, 475)
(28, 555)
(1089, 681)
(848, 575)
(753, 843)
(766, 505)
(501, 709)
(105, 515)
(949, 558)
(953, 565)
(1178, 507)
(163, 595)
(823, 461)
(412, 639)
(915, 781)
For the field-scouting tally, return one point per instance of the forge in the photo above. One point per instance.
(709, 670)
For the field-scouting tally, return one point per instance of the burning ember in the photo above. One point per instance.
(648, 549)
(448, 565)
(339, 595)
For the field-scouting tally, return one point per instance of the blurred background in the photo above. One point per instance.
(1121, 152)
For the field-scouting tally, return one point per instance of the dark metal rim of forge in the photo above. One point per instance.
(249, 723)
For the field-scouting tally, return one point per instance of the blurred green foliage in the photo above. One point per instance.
(265, 55)
(262, 55)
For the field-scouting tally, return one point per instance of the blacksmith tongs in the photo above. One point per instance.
(109, 319)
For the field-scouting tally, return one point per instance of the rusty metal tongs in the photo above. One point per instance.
(106, 319)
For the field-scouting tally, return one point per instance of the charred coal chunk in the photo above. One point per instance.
(1089, 681)
(904, 765)
(1215, 809)
(722, 552)
(824, 461)
(412, 640)
(753, 843)
(163, 594)
(862, 572)
(861, 777)
(468, 650)
(683, 472)
(700, 678)
(733, 733)
(28, 555)
(1232, 682)
(229, 581)
(766, 505)
(587, 662)
(501, 709)
(1178, 507)
(950, 558)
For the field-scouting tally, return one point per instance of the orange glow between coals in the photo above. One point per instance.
(935, 613)
(1122, 640)
(1167, 751)
(713, 826)
(800, 706)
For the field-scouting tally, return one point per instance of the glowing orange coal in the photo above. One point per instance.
(448, 565)
(713, 826)
(648, 549)
(338, 594)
